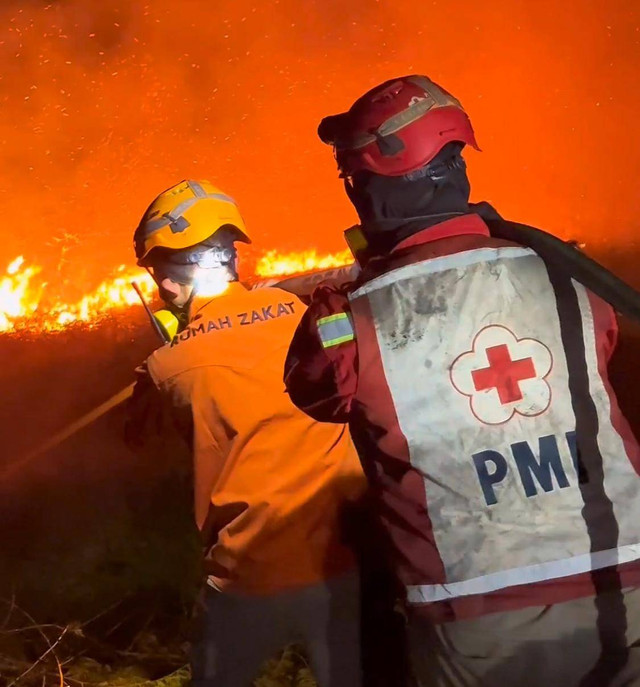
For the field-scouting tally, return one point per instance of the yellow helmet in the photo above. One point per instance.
(185, 215)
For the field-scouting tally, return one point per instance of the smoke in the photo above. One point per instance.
(105, 104)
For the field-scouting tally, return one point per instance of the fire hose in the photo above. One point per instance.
(557, 253)
(70, 430)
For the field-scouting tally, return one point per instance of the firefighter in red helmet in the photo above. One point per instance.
(473, 375)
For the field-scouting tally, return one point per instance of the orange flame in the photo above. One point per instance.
(22, 299)
(27, 305)
(272, 264)
(17, 298)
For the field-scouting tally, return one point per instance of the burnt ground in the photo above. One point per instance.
(97, 539)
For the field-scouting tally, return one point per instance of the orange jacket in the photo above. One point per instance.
(271, 484)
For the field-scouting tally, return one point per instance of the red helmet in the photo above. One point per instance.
(396, 128)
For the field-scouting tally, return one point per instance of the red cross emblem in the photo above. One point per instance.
(503, 375)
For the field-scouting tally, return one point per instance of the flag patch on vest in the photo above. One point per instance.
(503, 375)
(335, 329)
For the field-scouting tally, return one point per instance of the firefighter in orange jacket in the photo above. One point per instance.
(270, 483)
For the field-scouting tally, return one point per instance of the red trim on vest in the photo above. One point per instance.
(400, 489)
(429, 250)
(603, 324)
(514, 598)
(457, 226)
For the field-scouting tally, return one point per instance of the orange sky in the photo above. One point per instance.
(102, 108)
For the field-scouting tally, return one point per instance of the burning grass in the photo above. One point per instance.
(274, 264)
(28, 303)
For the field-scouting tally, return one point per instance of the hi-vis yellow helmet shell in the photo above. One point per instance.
(185, 215)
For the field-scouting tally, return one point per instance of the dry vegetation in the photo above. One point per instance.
(111, 651)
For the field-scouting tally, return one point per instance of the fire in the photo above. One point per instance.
(27, 303)
(272, 264)
(18, 299)
(113, 293)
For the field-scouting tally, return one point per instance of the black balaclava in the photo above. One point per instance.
(393, 208)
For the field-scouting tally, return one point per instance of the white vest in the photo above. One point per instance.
(474, 360)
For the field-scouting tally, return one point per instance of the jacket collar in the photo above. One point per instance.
(457, 226)
(234, 289)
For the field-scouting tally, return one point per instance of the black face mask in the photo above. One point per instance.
(393, 208)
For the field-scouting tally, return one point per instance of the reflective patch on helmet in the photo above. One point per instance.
(197, 189)
(335, 329)
(179, 225)
(174, 219)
